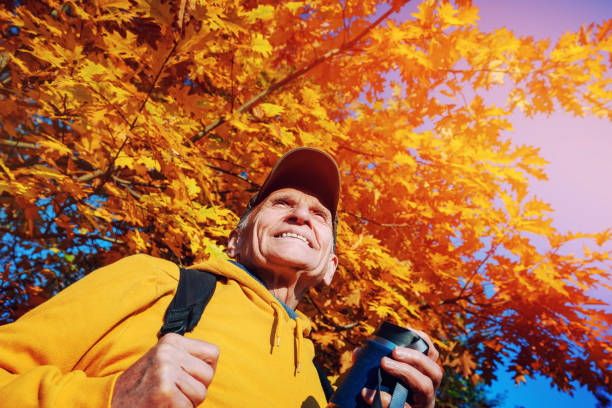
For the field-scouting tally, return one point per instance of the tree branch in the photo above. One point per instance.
(350, 149)
(210, 166)
(336, 327)
(452, 300)
(61, 235)
(405, 224)
(327, 56)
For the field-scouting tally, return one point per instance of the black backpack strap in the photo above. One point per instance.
(327, 387)
(195, 288)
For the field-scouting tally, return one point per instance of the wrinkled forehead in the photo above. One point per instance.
(312, 183)
(309, 196)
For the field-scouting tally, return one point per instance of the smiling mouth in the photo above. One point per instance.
(293, 235)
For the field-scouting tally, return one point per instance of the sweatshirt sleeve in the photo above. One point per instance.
(39, 351)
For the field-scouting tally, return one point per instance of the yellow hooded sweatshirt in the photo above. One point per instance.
(69, 351)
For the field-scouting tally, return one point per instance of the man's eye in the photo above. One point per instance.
(281, 202)
(321, 215)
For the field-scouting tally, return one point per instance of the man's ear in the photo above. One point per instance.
(232, 244)
(332, 265)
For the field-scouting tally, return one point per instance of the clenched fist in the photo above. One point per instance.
(175, 373)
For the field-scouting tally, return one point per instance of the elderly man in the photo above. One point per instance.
(94, 344)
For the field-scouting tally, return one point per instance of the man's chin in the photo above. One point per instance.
(293, 262)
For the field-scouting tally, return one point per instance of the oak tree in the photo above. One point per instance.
(145, 125)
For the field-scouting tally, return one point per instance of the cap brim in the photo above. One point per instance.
(307, 169)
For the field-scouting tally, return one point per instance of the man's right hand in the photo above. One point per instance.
(175, 373)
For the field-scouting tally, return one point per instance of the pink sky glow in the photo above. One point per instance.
(579, 152)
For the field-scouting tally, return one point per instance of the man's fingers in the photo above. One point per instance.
(194, 362)
(158, 397)
(192, 388)
(385, 398)
(202, 350)
(422, 378)
(198, 369)
(368, 395)
(420, 362)
(409, 375)
(356, 353)
(432, 353)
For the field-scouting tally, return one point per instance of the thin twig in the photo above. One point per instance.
(336, 327)
(223, 160)
(405, 224)
(15, 143)
(109, 168)
(232, 84)
(476, 270)
(61, 235)
(351, 149)
(259, 97)
(345, 31)
(233, 174)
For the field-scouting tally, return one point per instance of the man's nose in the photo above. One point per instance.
(300, 215)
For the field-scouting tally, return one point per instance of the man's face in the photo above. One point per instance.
(290, 231)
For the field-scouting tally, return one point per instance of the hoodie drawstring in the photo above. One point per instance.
(299, 336)
(277, 323)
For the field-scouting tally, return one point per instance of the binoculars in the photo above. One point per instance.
(366, 371)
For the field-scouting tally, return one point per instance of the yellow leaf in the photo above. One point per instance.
(510, 204)
(310, 96)
(403, 158)
(241, 123)
(214, 250)
(6, 170)
(353, 298)
(468, 14)
(138, 242)
(124, 161)
(262, 12)
(463, 16)
(12, 187)
(261, 45)
(122, 4)
(346, 360)
(284, 134)
(270, 109)
(43, 171)
(89, 71)
(325, 338)
(150, 163)
(192, 187)
(294, 6)
(55, 145)
(496, 74)
(448, 13)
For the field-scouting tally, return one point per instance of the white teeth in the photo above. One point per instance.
(292, 235)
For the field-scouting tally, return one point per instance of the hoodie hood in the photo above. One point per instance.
(261, 296)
